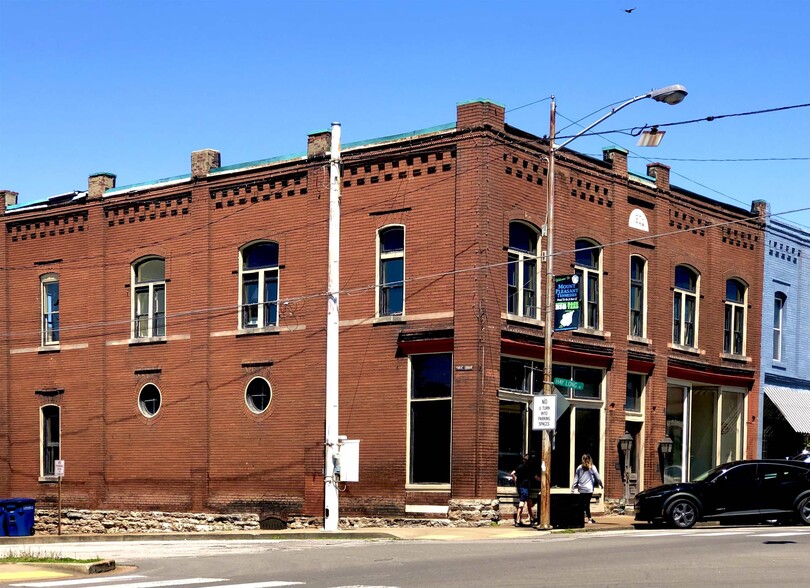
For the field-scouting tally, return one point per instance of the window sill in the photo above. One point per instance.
(523, 320)
(595, 333)
(148, 340)
(685, 349)
(633, 415)
(781, 368)
(48, 479)
(735, 357)
(640, 340)
(427, 487)
(50, 348)
(273, 330)
(393, 319)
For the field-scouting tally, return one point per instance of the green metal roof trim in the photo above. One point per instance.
(615, 148)
(391, 138)
(477, 100)
(132, 187)
(647, 180)
(258, 163)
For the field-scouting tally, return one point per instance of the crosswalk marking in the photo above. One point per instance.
(275, 584)
(154, 584)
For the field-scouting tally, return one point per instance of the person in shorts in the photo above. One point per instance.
(523, 475)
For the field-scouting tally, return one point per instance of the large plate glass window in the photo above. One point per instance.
(430, 418)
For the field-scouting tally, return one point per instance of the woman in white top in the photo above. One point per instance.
(586, 478)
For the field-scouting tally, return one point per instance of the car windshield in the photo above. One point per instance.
(711, 474)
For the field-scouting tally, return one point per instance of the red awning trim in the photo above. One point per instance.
(560, 354)
(425, 346)
(640, 366)
(708, 377)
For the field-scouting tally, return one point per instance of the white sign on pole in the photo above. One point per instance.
(59, 468)
(544, 413)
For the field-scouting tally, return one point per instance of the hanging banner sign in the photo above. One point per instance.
(567, 307)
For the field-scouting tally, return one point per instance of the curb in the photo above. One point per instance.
(46, 539)
(98, 567)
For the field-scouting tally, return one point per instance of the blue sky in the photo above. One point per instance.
(133, 87)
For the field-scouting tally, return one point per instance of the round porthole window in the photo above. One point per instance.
(258, 394)
(149, 400)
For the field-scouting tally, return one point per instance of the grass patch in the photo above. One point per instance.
(28, 556)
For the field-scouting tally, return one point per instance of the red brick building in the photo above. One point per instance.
(168, 340)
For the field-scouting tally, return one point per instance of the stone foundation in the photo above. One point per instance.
(461, 513)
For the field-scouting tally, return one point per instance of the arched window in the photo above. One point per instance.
(149, 298)
(734, 330)
(258, 281)
(779, 300)
(638, 296)
(50, 309)
(588, 266)
(391, 271)
(523, 271)
(684, 311)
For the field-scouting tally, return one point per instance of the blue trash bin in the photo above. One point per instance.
(3, 531)
(19, 516)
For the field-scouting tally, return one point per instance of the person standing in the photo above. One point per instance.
(522, 476)
(586, 478)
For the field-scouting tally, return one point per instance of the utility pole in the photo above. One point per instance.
(330, 491)
(548, 329)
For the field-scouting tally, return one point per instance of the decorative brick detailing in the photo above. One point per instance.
(113, 521)
(47, 227)
(265, 189)
(739, 237)
(415, 165)
(520, 167)
(687, 221)
(590, 191)
(131, 212)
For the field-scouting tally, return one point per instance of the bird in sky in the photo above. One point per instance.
(629, 10)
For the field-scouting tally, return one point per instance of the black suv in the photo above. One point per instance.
(764, 489)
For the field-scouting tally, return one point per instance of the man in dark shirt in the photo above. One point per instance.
(522, 476)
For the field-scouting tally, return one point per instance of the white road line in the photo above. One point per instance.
(275, 584)
(717, 534)
(790, 534)
(54, 583)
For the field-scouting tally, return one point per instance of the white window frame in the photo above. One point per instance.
(643, 310)
(149, 287)
(684, 294)
(43, 441)
(735, 308)
(261, 274)
(388, 256)
(584, 274)
(521, 258)
(779, 300)
(49, 336)
(249, 401)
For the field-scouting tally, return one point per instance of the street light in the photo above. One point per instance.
(626, 445)
(665, 448)
(669, 95)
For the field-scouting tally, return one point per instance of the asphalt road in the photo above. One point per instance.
(726, 556)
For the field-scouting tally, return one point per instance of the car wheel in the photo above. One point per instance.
(803, 510)
(683, 514)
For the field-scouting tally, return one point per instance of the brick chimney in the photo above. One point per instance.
(761, 208)
(99, 183)
(617, 156)
(203, 161)
(7, 198)
(479, 112)
(660, 172)
(319, 143)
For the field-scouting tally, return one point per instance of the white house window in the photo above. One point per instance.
(734, 331)
(258, 395)
(522, 271)
(779, 300)
(149, 400)
(684, 311)
(258, 281)
(588, 268)
(149, 298)
(50, 309)
(50, 438)
(638, 298)
(430, 418)
(391, 271)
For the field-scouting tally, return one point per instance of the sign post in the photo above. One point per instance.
(59, 472)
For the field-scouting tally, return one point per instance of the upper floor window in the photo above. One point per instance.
(684, 309)
(391, 271)
(50, 309)
(779, 300)
(734, 330)
(49, 438)
(258, 281)
(522, 271)
(589, 269)
(638, 299)
(149, 298)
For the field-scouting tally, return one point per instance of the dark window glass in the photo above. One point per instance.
(522, 238)
(149, 400)
(50, 439)
(260, 255)
(734, 291)
(392, 239)
(587, 254)
(258, 394)
(635, 384)
(685, 279)
(431, 384)
(431, 376)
